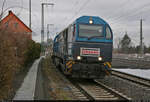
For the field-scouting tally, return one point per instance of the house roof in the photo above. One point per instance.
(12, 14)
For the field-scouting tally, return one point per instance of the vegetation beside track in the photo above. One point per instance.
(17, 51)
(58, 87)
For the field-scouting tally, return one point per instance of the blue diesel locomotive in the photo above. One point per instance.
(84, 48)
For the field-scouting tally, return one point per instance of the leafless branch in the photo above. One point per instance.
(1, 15)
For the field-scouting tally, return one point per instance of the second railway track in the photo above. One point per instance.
(135, 79)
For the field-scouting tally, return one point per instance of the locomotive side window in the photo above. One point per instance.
(108, 33)
(56, 39)
(73, 32)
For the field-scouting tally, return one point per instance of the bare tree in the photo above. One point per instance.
(1, 15)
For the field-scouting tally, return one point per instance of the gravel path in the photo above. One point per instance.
(27, 90)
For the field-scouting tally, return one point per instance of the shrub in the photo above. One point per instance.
(16, 51)
(33, 52)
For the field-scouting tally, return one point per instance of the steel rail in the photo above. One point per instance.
(108, 94)
(78, 86)
(123, 97)
(132, 78)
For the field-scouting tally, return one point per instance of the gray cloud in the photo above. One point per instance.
(122, 15)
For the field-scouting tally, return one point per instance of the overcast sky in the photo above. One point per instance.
(122, 15)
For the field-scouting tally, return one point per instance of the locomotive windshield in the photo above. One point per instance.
(90, 31)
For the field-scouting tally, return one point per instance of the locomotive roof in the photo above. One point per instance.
(85, 19)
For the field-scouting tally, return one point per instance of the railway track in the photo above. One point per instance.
(135, 79)
(95, 90)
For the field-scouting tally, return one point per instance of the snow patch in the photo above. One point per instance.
(144, 73)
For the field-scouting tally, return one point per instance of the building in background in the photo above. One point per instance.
(12, 23)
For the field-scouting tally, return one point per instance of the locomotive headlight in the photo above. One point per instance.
(78, 57)
(100, 58)
(90, 21)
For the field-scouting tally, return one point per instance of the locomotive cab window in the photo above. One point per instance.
(90, 31)
(108, 33)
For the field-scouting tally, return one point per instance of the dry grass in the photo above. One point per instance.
(58, 88)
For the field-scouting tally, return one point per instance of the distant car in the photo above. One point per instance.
(84, 48)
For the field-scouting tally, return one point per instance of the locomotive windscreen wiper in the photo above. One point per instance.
(94, 37)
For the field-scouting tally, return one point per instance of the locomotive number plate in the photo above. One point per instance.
(93, 52)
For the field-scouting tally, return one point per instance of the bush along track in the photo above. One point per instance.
(17, 52)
